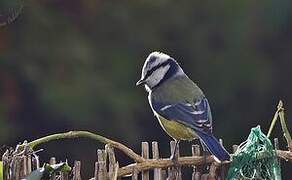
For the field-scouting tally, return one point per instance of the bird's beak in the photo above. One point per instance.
(141, 81)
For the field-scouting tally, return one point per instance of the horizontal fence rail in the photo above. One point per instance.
(17, 165)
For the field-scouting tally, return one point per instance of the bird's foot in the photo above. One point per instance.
(174, 154)
(176, 166)
(174, 160)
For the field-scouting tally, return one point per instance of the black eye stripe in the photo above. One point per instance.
(149, 72)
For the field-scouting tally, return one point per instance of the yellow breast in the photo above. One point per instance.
(176, 130)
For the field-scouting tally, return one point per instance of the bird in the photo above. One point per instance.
(180, 106)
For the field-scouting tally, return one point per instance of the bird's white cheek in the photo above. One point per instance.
(157, 76)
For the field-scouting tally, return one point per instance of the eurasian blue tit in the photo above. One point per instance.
(178, 103)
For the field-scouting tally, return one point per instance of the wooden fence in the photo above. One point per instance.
(17, 165)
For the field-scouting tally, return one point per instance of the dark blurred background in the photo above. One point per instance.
(72, 65)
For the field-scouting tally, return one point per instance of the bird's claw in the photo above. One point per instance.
(174, 160)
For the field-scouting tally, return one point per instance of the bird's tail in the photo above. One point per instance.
(214, 146)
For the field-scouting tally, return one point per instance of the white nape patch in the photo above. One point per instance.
(157, 76)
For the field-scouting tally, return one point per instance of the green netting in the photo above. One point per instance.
(255, 159)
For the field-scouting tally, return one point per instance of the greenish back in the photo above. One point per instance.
(177, 89)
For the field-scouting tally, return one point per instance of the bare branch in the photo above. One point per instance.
(284, 127)
(165, 163)
(86, 134)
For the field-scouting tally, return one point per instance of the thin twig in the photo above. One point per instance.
(285, 128)
(280, 113)
(86, 134)
(275, 118)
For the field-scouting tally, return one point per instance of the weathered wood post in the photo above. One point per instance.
(101, 166)
(158, 173)
(174, 172)
(113, 165)
(77, 170)
(16, 167)
(223, 168)
(196, 175)
(35, 162)
(6, 165)
(135, 174)
(145, 154)
(96, 170)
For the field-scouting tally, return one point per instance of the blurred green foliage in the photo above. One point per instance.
(73, 64)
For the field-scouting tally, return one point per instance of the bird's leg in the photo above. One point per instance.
(174, 158)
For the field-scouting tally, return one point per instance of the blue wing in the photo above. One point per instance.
(196, 115)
